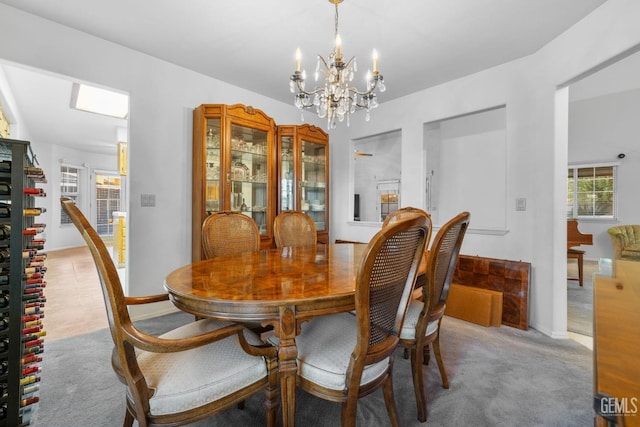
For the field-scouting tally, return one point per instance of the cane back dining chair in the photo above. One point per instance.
(229, 233)
(295, 229)
(342, 357)
(403, 213)
(422, 322)
(186, 374)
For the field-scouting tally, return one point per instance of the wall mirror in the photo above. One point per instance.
(376, 176)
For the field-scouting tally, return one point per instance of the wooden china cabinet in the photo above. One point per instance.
(303, 174)
(234, 167)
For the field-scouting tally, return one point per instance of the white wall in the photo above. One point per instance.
(162, 100)
(536, 150)
(459, 181)
(600, 128)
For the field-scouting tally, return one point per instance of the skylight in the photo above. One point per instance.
(99, 101)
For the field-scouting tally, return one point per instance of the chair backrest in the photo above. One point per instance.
(229, 233)
(403, 213)
(123, 359)
(442, 259)
(294, 229)
(384, 284)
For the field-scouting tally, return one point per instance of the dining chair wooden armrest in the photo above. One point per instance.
(147, 299)
(265, 349)
(151, 343)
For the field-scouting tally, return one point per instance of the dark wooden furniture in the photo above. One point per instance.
(422, 322)
(616, 345)
(282, 287)
(512, 278)
(576, 238)
(217, 366)
(294, 229)
(344, 357)
(229, 233)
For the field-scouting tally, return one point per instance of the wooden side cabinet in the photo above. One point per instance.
(616, 345)
(303, 174)
(234, 167)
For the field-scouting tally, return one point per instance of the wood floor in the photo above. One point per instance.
(74, 300)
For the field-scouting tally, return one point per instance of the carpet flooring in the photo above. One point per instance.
(499, 377)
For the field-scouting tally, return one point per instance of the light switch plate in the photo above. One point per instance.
(521, 204)
(148, 200)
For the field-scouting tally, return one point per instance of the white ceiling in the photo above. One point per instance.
(251, 43)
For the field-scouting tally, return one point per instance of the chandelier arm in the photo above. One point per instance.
(367, 92)
(305, 92)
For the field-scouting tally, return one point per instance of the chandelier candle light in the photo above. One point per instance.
(336, 99)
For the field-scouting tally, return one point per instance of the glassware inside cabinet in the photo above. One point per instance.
(287, 195)
(248, 175)
(313, 183)
(212, 166)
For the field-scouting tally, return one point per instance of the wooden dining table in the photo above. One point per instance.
(278, 287)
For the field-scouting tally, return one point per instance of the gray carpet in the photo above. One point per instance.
(499, 377)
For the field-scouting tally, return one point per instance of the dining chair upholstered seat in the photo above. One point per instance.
(424, 316)
(342, 357)
(294, 229)
(187, 374)
(229, 233)
(334, 336)
(185, 380)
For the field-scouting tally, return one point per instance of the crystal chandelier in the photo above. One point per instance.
(336, 99)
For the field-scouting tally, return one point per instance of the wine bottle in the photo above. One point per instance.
(3, 366)
(5, 229)
(244, 205)
(29, 401)
(29, 380)
(5, 166)
(33, 171)
(32, 211)
(34, 191)
(5, 188)
(4, 300)
(4, 323)
(30, 358)
(5, 211)
(31, 388)
(30, 231)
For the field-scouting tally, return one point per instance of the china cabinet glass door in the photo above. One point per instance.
(287, 194)
(233, 167)
(248, 173)
(212, 167)
(313, 182)
(303, 174)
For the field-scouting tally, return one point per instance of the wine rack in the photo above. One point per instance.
(22, 282)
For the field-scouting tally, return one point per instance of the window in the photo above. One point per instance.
(591, 191)
(69, 180)
(107, 202)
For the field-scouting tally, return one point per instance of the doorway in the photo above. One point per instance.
(602, 109)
